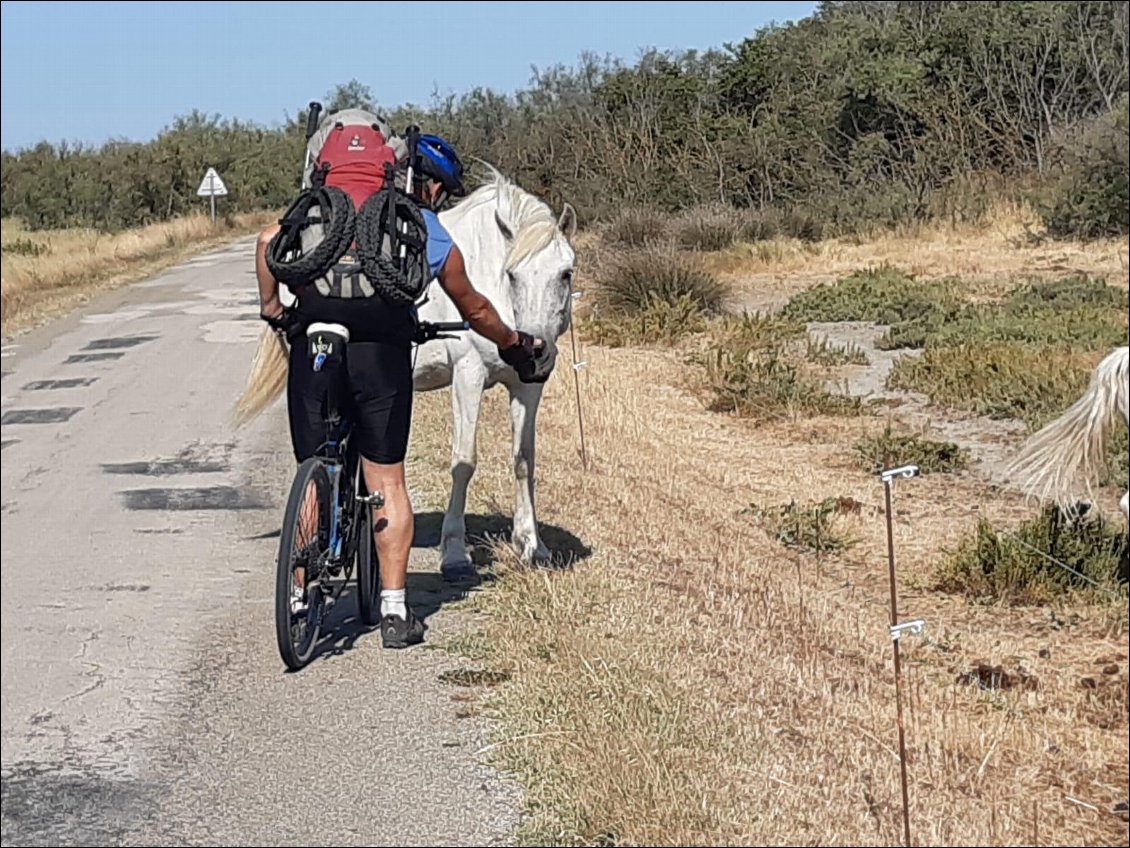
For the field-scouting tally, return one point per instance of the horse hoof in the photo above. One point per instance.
(456, 571)
(535, 555)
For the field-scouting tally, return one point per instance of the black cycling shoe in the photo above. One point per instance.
(398, 633)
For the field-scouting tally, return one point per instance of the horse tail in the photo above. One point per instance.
(267, 377)
(1072, 448)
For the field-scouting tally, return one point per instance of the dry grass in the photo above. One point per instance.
(696, 682)
(46, 273)
(1010, 247)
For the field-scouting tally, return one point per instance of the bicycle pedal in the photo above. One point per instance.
(376, 501)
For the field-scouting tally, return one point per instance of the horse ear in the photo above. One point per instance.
(567, 223)
(507, 232)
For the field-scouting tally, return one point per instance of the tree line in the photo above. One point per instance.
(863, 114)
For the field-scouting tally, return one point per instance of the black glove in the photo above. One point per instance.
(286, 323)
(531, 363)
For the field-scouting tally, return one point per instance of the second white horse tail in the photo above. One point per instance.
(1060, 462)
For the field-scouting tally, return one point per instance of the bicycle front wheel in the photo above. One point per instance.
(304, 548)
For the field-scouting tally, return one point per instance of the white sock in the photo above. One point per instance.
(392, 603)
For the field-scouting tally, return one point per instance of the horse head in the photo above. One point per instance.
(519, 254)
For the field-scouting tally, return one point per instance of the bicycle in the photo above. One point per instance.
(340, 533)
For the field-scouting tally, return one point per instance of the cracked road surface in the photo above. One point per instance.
(143, 699)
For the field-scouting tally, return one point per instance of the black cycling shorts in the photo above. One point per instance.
(375, 391)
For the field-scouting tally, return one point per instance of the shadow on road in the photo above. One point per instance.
(485, 530)
(428, 591)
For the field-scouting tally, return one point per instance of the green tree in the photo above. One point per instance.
(350, 95)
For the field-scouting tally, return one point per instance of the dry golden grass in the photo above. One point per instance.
(78, 263)
(1010, 246)
(694, 683)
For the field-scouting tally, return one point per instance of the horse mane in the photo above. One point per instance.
(535, 226)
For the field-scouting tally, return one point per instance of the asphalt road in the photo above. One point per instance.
(144, 701)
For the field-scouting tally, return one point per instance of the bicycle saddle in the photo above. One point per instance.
(326, 343)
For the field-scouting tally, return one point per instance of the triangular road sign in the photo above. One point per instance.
(212, 185)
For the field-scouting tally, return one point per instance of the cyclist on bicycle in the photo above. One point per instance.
(379, 371)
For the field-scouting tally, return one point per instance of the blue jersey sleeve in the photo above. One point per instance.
(439, 242)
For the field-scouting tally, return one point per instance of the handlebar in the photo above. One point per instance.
(288, 324)
(428, 330)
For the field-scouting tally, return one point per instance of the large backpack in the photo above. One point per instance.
(353, 232)
(353, 146)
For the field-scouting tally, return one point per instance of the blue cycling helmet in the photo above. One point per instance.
(437, 159)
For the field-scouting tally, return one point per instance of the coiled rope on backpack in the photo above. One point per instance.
(381, 233)
(338, 219)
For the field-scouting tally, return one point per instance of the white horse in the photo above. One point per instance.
(1067, 453)
(519, 255)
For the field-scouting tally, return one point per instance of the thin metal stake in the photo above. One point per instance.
(896, 635)
(577, 366)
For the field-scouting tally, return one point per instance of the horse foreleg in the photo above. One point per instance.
(524, 401)
(466, 397)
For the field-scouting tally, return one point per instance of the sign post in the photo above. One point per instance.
(212, 187)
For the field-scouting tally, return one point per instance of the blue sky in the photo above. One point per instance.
(92, 71)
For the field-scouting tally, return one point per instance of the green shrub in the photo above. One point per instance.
(637, 227)
(808, 528)
(884, 295)
(635, 279)
(825, 353)
(891, 450)
(708, 229)
(26, 247)
(996, 379)
(1091, 197)
(766, 384)
(1017, 567)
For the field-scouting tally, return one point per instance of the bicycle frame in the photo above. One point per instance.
(327, 346)
(342, 480)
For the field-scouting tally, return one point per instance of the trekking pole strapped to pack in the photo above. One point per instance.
(311, 128)
(392, 241)
(409, 186)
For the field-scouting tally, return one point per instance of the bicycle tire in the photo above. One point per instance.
(310, 471)
(337, 218)
(368, 567)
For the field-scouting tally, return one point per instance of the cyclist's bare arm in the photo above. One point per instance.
(475, 309)
(269, 303)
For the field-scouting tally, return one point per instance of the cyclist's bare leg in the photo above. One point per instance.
(393, 524)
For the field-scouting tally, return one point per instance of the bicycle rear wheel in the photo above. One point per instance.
(304, 548)
(368, 565)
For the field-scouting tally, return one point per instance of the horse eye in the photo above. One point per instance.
(567, 277)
